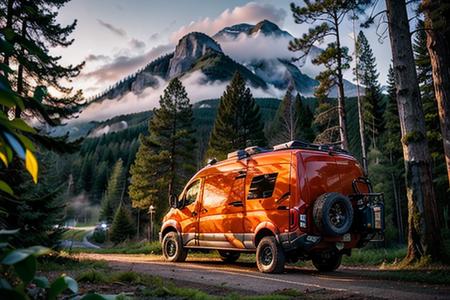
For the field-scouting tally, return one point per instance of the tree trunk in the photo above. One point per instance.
(341, 95)
(438, 48)
(8, 25)
(423, 221)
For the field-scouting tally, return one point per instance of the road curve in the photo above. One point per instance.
(246, 278)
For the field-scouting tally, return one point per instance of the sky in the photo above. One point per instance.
(116, 38)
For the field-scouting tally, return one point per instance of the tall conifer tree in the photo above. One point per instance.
(238, 123)
(372, 100)
(165, 159)
(114, 192)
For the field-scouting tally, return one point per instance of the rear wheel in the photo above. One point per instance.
(270, 257)
(229, 256)
(327, 261)
(172, 248)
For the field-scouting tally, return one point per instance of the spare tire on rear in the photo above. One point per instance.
(333, 214)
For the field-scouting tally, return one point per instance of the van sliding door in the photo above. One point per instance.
(221, 220)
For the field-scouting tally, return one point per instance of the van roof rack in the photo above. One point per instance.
(249, 151)
(239, 154)
(297, 144)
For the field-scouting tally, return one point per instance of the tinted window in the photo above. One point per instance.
(262, 186)
(192, 192)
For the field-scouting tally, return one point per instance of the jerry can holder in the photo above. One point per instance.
(368, 211)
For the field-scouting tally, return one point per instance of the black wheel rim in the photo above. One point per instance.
(337, 215)
(266, 256)
(171, 248)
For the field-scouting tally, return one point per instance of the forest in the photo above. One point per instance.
(399, 132)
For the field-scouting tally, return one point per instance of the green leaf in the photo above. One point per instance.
(71, 284)
(9, 231)
(6, 99)
(26, 269)
(60, 285)
(20, 125)
(15, 256)
(39, 250)
(6, 188)
(4, 284)
(42, 282)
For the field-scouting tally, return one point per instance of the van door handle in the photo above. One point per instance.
(204, 210)
(282, 207)
(236, 203)
(194, 213)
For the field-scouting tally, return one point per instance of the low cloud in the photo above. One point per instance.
(250, 13)
(118, 31)
(123, 65)
(196, 86)
(137, 44)
(94, 57)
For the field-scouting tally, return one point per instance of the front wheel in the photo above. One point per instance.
(270, 256)
(327, 261)
(173, 249)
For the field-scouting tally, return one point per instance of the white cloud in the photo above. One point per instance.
(196, 87)
(250, 13)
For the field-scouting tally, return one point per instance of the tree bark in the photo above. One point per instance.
(423, 222)
(438, 48)
(341, 95)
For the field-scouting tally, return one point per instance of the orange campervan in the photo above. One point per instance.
(297, 201)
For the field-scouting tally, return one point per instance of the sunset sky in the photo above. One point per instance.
(116, 38)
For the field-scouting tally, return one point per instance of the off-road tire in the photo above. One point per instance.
(229, 256)
(173, 249)
(270, 257)
(323, 209)
(327, 261)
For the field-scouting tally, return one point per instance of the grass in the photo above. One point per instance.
(63, 262)
(374, 257)
(126, 248)
(156, 287)
(74, 235)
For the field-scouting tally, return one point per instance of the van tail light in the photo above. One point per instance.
(293, 219)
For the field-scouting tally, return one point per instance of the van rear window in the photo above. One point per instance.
(262, 186)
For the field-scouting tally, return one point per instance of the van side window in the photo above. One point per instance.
(262, 186)
(191, 193)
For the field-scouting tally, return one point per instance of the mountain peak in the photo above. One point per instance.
(265, 27)
(190, 47)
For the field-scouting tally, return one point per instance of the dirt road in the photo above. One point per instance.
(245, 278)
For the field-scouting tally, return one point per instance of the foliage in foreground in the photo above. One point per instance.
(18, 275)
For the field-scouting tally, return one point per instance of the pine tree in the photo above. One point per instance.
(430, 110)
(335, 58)
(292, 120)
(114, 192)
(165, 159)
(305, 118)
(372, 101)
(438, 44)
(424, 238)
(393, 164)
(284, 125)
(32, 29)
(238, 122)
(122, 227)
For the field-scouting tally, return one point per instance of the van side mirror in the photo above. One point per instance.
(173, 201)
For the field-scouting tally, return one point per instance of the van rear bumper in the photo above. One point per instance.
(298, 240)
